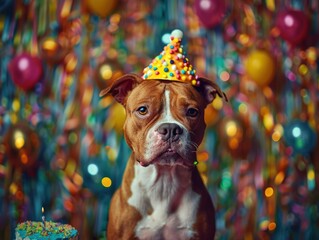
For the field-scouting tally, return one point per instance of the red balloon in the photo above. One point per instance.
(25, 70)
(293, 25)
(210, 12)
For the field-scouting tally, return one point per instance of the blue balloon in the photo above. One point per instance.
(300, 136)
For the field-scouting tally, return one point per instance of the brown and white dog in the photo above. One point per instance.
(162, 195)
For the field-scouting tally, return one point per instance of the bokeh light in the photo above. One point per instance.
(106, 71)
(18, 139)
(231, 128)
(92, 169)
(106, 182)
(269, 191)
(272, 226)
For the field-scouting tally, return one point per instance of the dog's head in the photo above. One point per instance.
(164, 119)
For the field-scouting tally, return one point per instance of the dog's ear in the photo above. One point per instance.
(209, 90)
(121, 87)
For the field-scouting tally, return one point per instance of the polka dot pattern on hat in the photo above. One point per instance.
(172, 64)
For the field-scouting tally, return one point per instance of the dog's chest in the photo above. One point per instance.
(166, 202)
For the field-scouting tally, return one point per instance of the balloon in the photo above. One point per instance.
(210, 12)
(260, 67)
(22, 145)
(300, 136)
(25, 70)
(102, 8)
(116, 118)
(52, 50)
(236, 136)
(211, 115)
(107, 72)
(293, 25)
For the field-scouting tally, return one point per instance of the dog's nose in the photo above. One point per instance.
(170, 131)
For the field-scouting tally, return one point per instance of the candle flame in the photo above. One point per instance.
(42, 210)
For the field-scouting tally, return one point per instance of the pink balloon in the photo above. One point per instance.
(25, 70)
(293, 25)
(210, 12)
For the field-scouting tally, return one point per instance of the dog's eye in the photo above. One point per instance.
(192, 112)
(142, 110)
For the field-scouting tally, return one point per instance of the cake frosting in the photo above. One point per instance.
(30, 230)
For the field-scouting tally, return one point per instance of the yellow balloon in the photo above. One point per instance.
(116, 118)
(102, 8)
(260, 67)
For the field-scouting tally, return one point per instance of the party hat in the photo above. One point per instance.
(172, 64)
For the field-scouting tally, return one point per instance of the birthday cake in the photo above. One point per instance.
(30, 230)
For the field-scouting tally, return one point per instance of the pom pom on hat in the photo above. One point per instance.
(172, 64)
(177, 34)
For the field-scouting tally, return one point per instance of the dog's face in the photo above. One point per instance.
(164, 119)
(168, 121)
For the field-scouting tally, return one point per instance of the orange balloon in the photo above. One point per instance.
(260, 67)
(102, 8)
(52, 50)
(22, 146)
(236, 136)
(211, 115)
(107, 72)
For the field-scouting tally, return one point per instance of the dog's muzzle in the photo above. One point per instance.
(170, 132)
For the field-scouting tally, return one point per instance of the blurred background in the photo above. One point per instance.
(62, 147)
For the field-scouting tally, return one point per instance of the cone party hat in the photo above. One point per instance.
(172, 64)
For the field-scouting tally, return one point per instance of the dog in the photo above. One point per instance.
(162, 195)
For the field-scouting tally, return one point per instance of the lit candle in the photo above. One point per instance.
(43, 218)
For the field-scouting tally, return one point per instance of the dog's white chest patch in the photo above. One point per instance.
(166, 202)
